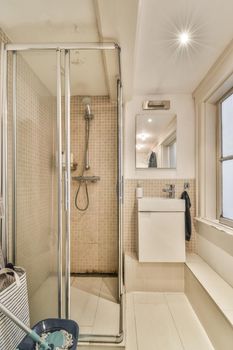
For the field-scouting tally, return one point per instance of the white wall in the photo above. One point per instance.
(183, 106)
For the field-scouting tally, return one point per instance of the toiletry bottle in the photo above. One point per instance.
(139, 191)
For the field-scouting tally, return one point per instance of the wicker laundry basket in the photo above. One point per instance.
(14, 296)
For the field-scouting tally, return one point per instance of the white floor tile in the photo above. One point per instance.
(163, 321)
(90, 285)
(85, 330)
(83, 307)
(188, 326)
(107, 317)
(94, 306)
(44, 303)
(109, 288)
(148, 298)
(155, 328)
(131, 335)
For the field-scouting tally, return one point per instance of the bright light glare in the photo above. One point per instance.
(184, 38)
(139, 146)
(143, 136)
(149, 120)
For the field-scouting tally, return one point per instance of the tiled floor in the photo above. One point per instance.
(43, 303)
(94, 305)
(154, 321)
(163, 321)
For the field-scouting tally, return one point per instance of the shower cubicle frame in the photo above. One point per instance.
(7, 239)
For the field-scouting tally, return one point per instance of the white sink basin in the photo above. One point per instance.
(161, 229)
(158, 204)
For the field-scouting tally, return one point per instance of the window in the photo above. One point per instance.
(172, 154)
(226, 159)
(169, 151)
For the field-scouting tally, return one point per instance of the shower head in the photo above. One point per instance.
(87, 102)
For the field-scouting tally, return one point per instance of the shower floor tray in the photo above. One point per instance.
(94, 304)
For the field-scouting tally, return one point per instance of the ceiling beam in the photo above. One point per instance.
(109, 58)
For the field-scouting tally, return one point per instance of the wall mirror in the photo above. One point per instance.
(156, 141)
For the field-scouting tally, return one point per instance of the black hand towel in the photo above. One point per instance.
(188, 221)
(153, 160)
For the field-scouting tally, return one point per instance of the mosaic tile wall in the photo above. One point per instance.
(94, 232)
(36, 181)
(36, 228)
(152, 188)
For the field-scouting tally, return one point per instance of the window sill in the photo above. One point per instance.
(218, 289)
(216, 224)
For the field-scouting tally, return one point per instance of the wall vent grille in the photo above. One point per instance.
(156, 105)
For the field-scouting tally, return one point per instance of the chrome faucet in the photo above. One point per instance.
(170, 190)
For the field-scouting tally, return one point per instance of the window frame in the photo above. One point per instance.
(171, 139)
(220, 160)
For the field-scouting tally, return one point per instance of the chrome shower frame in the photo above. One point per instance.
(8, 239)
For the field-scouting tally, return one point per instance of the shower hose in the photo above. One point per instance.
(77, 195)
(83, 182)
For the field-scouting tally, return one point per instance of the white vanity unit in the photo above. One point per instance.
(161, 230)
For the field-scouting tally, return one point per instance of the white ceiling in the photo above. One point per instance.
(58, 21)
(92, 72)
(160, 67)
(145, 29)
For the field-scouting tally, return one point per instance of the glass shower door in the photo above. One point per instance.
(33, 129)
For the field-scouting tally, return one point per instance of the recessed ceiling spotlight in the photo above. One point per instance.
(149, 120)
(139, 146)
(143, 136)
(184, 38)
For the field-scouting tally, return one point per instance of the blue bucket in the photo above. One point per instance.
(51, 325)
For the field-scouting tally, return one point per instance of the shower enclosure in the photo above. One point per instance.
(42, 229)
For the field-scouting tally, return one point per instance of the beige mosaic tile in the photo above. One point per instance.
(94, 232)
(36, 202)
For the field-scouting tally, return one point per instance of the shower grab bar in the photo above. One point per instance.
(86, 178)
